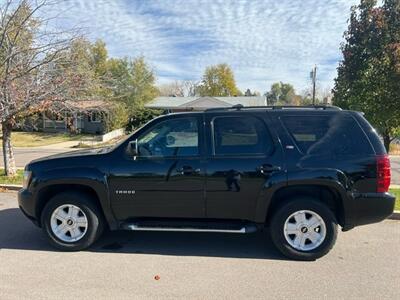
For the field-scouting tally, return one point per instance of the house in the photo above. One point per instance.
(88, 116)
(179, 104)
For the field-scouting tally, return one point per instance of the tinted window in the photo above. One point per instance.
(338, 134)
(177, 137)
(240, 135)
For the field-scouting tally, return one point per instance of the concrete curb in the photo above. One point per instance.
(11, 187)
(395, 215)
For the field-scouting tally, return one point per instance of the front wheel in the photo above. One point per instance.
(72, 221)
(304, 229)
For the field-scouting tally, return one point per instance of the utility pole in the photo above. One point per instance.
(313, 76)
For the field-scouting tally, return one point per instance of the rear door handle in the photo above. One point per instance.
(188, 170)
(269, 169)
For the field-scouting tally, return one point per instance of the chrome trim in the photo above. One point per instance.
(135, 227)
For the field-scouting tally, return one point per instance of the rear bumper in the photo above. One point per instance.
(367, 208)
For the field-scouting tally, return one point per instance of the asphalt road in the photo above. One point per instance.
(365, 263)
(24, 155)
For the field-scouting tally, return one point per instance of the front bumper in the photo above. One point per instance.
(27, 205)
(367, 208)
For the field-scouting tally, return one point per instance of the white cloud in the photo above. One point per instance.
(264, 41)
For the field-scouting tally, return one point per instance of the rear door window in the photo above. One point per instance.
(327, 134)
(240, 135)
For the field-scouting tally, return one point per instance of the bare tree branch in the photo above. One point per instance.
(34, 66)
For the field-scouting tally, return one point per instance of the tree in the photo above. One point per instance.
(173, 89)
(117, 79)
(79, 67)
(28, 79)
(131, 83)
(118, 116)
(191, 88)
(282, 93)
(369, 73)
(218, 81)
(141, 116)
(143, 82)
(99, 57)
(249, 93)
(323, 95)
(178, 88)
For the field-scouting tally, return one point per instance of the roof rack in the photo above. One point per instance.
(241, 107)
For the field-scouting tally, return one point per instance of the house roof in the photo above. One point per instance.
(89, 104)
(204, 102)
(82, 105)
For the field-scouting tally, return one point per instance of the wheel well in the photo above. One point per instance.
(325, 194)
(46, 193)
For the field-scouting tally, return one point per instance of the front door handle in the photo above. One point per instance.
(188, 170)
(269, 169)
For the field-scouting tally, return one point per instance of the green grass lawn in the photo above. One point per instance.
(35, 139)
(11, 180)
(396, 193)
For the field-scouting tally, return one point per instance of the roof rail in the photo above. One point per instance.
(323, 107)
(241, 107)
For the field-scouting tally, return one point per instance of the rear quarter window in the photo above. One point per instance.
(336, 134)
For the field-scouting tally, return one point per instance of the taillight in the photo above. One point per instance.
(383, 173)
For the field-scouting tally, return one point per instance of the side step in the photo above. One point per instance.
(223, 228)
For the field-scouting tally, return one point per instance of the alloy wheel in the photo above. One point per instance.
(69, 223)
(304, 230)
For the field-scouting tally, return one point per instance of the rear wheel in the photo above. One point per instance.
(72, 221)
(304, 229)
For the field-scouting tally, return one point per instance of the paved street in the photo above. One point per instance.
(365, 263)
(24, 155)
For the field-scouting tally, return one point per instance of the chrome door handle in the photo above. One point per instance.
(187, 170)
(269, 169)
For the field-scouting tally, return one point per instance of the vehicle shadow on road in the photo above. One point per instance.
(17, 232)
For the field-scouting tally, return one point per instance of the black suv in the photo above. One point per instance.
(299, 171)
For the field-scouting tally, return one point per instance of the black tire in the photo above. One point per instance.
(282, 214)
(93, 214)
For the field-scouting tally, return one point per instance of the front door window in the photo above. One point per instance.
(171, 138)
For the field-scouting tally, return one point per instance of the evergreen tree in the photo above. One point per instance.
(369, 74)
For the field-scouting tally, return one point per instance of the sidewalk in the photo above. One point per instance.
(23, 155)
(63, 145)
(58, 146)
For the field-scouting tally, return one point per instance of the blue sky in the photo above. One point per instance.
(264, 41)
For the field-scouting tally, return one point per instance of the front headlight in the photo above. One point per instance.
(27, 179)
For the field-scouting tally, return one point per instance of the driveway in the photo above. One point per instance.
(365, 263)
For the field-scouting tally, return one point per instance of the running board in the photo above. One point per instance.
(137, 227)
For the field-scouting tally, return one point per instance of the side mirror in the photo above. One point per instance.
(133, 148)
